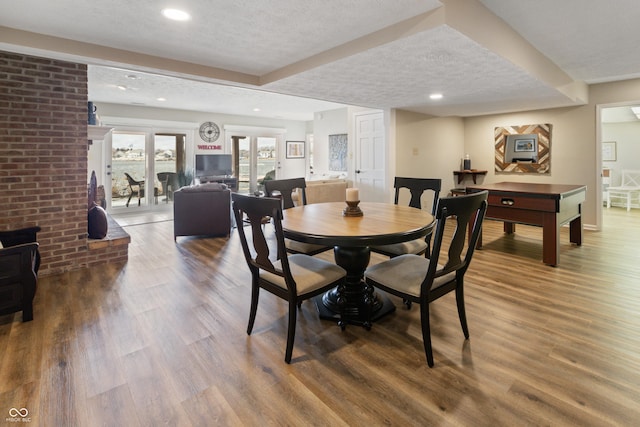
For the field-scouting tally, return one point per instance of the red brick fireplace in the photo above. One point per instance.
(43, 159)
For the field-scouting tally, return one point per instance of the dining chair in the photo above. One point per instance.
(423, 280)
(285, 189)
(416, 187)
(292, 277)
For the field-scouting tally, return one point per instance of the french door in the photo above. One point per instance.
(254, 157)
(143, 168)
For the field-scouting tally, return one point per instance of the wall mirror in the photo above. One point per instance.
(523, 149)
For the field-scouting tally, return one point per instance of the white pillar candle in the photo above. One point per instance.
(352, 195)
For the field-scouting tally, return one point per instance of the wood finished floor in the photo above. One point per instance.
(162, 341)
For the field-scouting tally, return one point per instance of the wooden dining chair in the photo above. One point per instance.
(416, 187)
(292, 277)
(423, 280)
(284, 189)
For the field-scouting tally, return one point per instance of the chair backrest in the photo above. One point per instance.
(631, 178)
(417, 186)
(21, 236)
(465, 210)
(18, 265)
(257, 253)
(286, 187)
(163, 176)
(131, 181)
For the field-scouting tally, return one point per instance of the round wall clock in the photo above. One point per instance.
(209, 131)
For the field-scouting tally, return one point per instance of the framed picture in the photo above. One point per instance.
(295, 149)
(609, 151)
(524, 145)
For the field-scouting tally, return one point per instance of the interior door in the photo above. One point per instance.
(370, 156)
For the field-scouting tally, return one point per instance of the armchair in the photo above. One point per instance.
(19, 264)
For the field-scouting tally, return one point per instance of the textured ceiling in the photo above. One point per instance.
(484, 56)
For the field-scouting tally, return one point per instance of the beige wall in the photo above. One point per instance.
(428, 147)
(441, 142)
(574, 147)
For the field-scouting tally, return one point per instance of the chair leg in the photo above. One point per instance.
(291, 331)
(461, 311)
(255, 293)
(129, 199)
(27, 312)
(426, 332)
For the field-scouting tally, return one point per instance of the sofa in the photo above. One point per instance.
(326, 190)
(202, 210)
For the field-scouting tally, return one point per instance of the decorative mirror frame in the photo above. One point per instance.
(542, 166)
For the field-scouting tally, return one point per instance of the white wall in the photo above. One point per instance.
(627, 138)
(325, 123)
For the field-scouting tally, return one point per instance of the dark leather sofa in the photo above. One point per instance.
(202, 210)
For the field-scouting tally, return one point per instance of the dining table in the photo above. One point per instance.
(351, 238)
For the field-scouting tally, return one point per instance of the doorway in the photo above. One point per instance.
(618, 149)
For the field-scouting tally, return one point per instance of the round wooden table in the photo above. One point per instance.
(351, 237)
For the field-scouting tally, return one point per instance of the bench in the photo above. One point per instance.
(628, 192)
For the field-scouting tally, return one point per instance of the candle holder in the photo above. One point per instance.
(352, 209)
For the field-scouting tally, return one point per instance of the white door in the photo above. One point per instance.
(370, 156)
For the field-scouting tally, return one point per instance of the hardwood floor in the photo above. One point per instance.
(162, 341)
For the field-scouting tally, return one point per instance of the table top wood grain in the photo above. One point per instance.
(381, 224)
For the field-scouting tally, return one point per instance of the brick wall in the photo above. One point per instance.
(43, 157)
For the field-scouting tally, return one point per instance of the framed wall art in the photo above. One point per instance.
(609, 151)
(295, 149)
(523, 148)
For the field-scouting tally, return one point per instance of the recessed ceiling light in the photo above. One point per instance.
(176, 15)
(256, 109)
(122, 87)
(132, 77)
(435, 96)
(161, 99)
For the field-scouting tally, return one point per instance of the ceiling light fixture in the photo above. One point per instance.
(161, 99)
(256, 109)
(132, 77)
(176, 15)
(122, 87)
(435, 96)
(636, 111)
